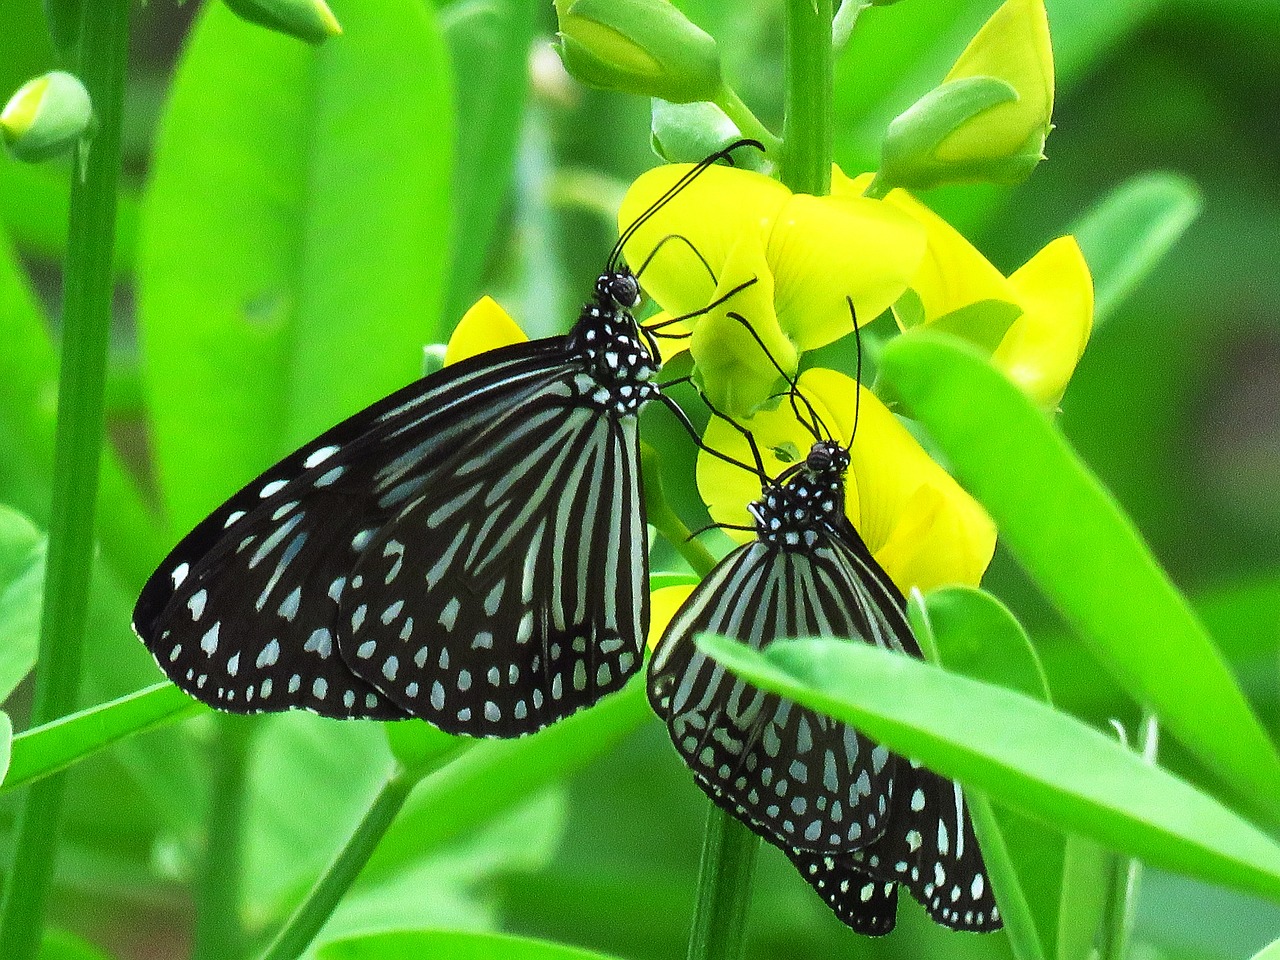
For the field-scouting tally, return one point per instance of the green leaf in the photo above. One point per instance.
(319, 180)
(456, 945)
(1035, 759)
(1085, 555)
(1086, 882)
(55, 746)
(6, 745)
(974, 634)
(488, 44)
(1270, 952)
(1127, 233)
(22, 550)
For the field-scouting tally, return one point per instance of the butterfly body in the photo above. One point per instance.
(470, 550)
(856, 820)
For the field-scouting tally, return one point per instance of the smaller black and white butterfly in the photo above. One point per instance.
(856, 819)
(471, 550)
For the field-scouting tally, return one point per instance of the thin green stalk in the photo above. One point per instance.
(748, 123)
(729, 848)
(315, 911)
(807, 130)
(724, 888)
(219, 931)
(104, 33)
(658, 512)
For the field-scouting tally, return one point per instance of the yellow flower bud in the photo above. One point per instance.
(309, 20)
(645, 47)
(47, 116)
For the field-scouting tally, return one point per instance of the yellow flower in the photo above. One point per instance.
(1034, 323)
(486, 326)
(915, 519)
(789, 264)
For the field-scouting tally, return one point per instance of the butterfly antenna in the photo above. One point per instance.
(726, 154)
(688, 243)
(730, 294)
(857, 397)
(815, 424)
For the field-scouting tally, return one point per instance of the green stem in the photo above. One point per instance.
(219, 931)
(658, 512)
(748, 123)
(724, 888)
(878, 188)
(808, 128)
(315, 911)
(104, 33)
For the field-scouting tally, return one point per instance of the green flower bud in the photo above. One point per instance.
(645, 47)
(989, 119)
(47, 116)
(309, 20)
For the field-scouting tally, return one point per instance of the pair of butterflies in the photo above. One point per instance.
(472, 551)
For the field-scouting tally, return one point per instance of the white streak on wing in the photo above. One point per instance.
(275, 539)
(291, 551)
(959, 819)
(615, 539)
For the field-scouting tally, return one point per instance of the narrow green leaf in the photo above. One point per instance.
(22, 551)
(55, 746)
(976, 636)
(1035, 759)
(454, 944)
(1086, 878)
(319, 179)
(489, 44)
(1127, 233)
(1084, 554)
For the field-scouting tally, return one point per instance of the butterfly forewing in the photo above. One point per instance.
(533, 540)
(801, 778)
(859, 900)
(252, 611)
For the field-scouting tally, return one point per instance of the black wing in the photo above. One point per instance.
(801, 779)
(244, 614)
(860, 901)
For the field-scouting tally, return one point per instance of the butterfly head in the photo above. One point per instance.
(804, 500)
(618, 289)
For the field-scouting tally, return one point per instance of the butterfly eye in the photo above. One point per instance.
(624, 289)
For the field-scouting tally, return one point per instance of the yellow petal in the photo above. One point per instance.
(888, 467)
(825, 250)
(1012, 46)
(663, 604)
(739, 346)
(694, 233)
(1042, 348)
(486, 326)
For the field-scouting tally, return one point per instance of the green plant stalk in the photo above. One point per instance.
(729, 848)
(101, 58)
(219, 930)
(315, 911)
(748, 123)
(808, 127)
(724, 888)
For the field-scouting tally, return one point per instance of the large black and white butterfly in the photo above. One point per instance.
(470, 550)
(856, 819)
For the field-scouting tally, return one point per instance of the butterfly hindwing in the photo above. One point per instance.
(859, 900)
(802, 779)
(539, 537)
(242, 614)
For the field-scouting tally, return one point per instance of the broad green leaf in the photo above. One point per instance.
(1130, 230)
(455, 945)
(976, 636)
(493, 775)
(489, 48)
(55, 746)
(21, 588)
(1084, 554)
(28, 391)
(1035, 759)
(295, 238)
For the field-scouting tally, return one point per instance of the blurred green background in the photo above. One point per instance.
(1176, 405)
